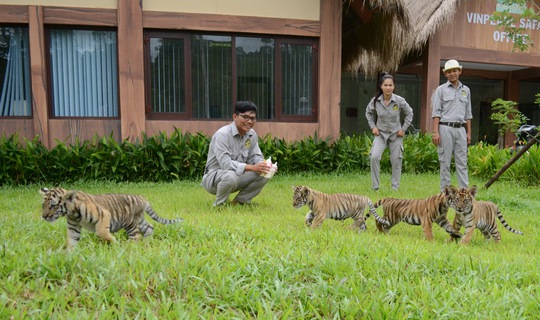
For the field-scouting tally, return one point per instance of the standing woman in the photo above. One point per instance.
(383, 114)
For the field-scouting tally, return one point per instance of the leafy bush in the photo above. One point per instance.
(182, 156)
(485, 160)
(419, 154)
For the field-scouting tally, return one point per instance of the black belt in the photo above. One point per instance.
(453, 124)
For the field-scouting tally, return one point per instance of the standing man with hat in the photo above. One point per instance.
(451, 113)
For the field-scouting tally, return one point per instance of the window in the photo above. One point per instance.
(297, 79)
(167, 80)
(84, 73)
(14, 72)
(255, 73)
(211, 76)
(204, 76)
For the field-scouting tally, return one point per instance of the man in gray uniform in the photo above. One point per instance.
(451, 113)
(235, 161)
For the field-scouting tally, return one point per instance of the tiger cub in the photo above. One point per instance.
(476, 214)
(417, 212)
(103, 214)
(338, 206)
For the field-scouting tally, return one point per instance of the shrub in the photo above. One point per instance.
(182, 156)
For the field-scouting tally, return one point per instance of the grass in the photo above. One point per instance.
(262, 262)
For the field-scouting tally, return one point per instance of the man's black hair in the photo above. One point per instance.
(244, 106)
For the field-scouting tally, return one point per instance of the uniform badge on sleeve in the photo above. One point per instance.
(247, 144)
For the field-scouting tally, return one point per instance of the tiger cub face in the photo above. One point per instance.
(51, 210)
(461, 200)
(300, 197)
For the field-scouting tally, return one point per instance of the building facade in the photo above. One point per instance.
(124, 68)
(127, 67)
(492, 68)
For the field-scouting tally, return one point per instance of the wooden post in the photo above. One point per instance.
(40, 106)
(431, 72)
(330, 69)
(131, 69)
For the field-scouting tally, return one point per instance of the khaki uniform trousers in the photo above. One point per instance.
(380, 143)
(453, 143)
(224, 182)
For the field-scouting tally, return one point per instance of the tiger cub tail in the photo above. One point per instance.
(373, 211)
(505, 224)
(148, 208)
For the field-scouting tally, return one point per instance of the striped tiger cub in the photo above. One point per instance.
(103, 214)
(338, 206)
(417, 212)
(476, 214)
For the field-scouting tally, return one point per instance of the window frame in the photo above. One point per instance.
(279, 40)
(148, 76)
(315, 82)
(48, 63)
(31, 94)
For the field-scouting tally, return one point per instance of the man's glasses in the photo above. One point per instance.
(247, 118)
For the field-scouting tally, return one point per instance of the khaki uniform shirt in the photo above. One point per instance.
(388, 118)
(452, 104)
(230, 151)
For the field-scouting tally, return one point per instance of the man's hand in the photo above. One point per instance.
(436, 139)
(261, 168)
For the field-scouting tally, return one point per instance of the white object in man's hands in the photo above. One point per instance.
(273, 168)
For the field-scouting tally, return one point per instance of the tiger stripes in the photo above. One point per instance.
(473, 213)
(338, 206)
(417, 212)
(103, 214)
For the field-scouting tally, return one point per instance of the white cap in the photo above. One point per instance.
(451, 64)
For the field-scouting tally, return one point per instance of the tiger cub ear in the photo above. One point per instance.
(43, 191)
(473, 190)
(450, 190)
(69, 196)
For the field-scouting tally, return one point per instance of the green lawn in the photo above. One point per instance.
(262, 262)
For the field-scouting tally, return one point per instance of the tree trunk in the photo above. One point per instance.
(500, 141)
(511, 161)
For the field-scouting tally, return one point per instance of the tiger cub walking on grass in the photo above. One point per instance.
(338, 206)
(418, 212)
(103, 214)
(476, 214)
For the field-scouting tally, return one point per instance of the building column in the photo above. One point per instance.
(131, 69)
(330, 69)
(431, 76)
(40, 106)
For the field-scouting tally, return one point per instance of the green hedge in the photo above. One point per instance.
(183, 156)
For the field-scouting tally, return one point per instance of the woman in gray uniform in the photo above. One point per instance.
(384, 115)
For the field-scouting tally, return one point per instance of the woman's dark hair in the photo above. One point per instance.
(244, 106)
(381, 80)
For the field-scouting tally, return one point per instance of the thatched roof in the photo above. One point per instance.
(377, 34)
(428, 17)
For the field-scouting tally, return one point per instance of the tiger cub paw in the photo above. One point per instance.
(362, 227)
(456, 235)
(309, 218)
